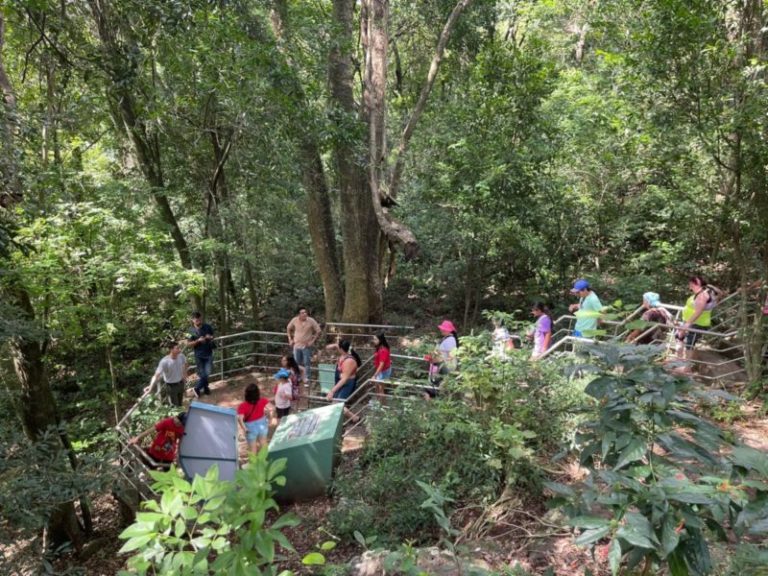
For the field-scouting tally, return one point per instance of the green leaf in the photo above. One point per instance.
(360, 539)
(669, 537)
(593, 535)
(286, 521)
(634, 451)
(313, 559)
(751, 459)
(327, 545)
(276, 467)
(677, 565)
(561, 489)
(634, 537)
(697, 553)
(601, 386)
(588, 522)
(136, 542)
(637, 531)
(137, 529)
(614, 556)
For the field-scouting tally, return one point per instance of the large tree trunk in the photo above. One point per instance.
(321, 229)
(38, 414)
(744, 186)
(360, 230)
(121, 90)
(218, 197)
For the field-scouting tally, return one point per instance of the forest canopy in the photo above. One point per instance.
(378, 161)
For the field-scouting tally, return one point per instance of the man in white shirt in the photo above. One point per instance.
(173, 369)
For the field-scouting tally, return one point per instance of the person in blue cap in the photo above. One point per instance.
(283, 392)
(586, 310)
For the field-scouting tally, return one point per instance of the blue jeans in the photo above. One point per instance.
(204, 368)
(303, 357)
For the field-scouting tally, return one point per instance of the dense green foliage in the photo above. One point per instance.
(210, 526)
(480, 435)
(158, 156)
(660, 486)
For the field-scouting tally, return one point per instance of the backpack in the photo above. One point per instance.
(712, 295)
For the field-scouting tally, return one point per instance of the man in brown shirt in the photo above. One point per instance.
(302, 333)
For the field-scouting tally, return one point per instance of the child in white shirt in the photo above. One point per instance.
(283, 393)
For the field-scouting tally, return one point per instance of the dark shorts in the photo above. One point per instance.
(283, 411)
(346, 391)
(692, 337)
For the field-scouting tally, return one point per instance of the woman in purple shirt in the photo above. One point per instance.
(542, 330)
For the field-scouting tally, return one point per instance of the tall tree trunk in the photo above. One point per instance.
(218, 192)
(321, 229)
(40, 414)
(121, 90)
(362, 283)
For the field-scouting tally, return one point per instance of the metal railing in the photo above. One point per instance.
(722, 338)
(239, 352)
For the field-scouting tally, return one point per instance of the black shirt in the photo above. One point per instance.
(203, 349)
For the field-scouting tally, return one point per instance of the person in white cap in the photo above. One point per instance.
(654, 312)
(587, 310)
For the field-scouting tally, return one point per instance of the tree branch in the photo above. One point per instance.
(397, 169)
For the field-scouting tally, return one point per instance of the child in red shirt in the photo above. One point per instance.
(252, 417)
(166, 441)
(382, 362)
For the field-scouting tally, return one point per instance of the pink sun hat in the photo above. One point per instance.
(447, 326)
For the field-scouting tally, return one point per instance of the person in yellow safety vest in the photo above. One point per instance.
(697, 314)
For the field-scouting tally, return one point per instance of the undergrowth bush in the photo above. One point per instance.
(439, 442)
(482, 434)
(662, 480)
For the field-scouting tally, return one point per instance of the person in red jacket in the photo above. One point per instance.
(166, 442)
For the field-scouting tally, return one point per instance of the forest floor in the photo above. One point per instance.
(522, 533)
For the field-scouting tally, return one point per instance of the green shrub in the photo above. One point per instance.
(210, 526)
(480, 435)
(659, 485)
(441, 442)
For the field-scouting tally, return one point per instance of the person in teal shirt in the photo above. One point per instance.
(588, 302)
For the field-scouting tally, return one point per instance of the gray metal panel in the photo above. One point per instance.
(210, 437)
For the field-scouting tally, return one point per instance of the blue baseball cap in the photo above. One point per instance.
(282, 373)
(579, 285)
(652, 298)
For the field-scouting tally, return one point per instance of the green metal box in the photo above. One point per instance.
(327, 377)
(311, 441)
